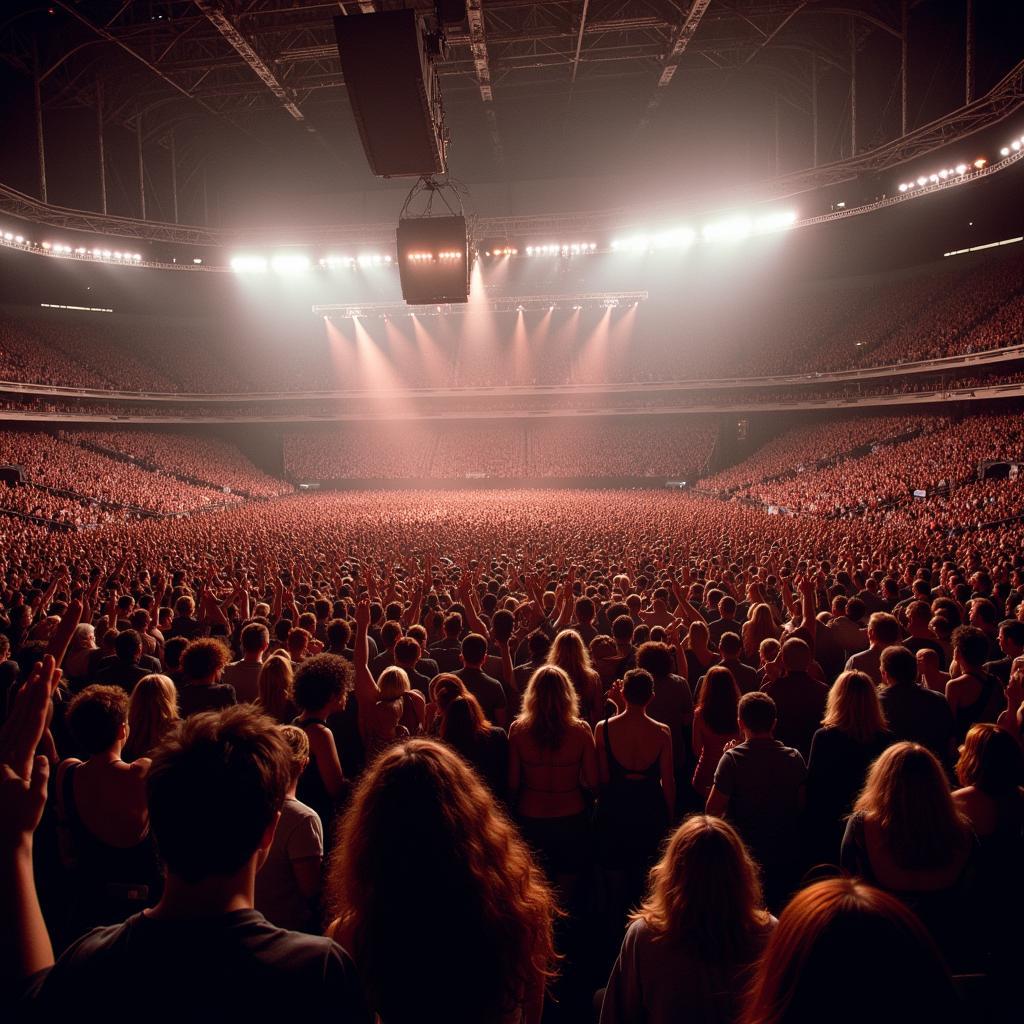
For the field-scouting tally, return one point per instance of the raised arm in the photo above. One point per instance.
(367, 691)
(25, 946)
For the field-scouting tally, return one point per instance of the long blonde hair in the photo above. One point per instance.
(760, 625)
(704, 891)
(550, 707)
(570, 654)
(908, 795)
(854, 708)
(274, 687)
(152, 714)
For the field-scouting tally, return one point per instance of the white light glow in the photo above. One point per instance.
(248, 264)
(290, 263)
(733, 229)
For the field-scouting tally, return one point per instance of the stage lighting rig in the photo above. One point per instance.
(433, 247)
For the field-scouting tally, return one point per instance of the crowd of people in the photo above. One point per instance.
(203, 460)
(806, 445)
(581, 448)
(938, 460)
(56, 462)
(512, 755)
(957, 307)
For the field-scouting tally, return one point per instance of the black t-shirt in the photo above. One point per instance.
(234, 967)
(196, 697)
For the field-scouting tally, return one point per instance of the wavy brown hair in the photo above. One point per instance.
(705, 893)
(476, 909)
(848, 953)
(908, 795)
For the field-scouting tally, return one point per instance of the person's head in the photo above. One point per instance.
(463, 723)
(622, 630)
(173, 651)
(883, 629)
(474, 650)
(204, 660)
(297, 641)
(898, 666)
(730, 646)
(585, 610)
(215, 790)
(390, 633)
(656, 658)
(727, 607)
(322, 683)
(550, 705)
(990, 760)
(757, 714)
(393, 682)
(856, 609)
(638, 687)
(255, 639)
(928, 663)
(1011, 638)
(298, 750)
(919, 614)
(569, 653)
(768, 650)
(128, 646)
(538, 644)
(98, 719)
(854, 708)
(698, 634)
(796, 655)
(338, 635)
(704, 892)
(452, 626)
(719, 701)
(152, 714)
(274, 687)
(970, 646)
(983, 614)
(848, 952)
(184, 607)
(83, 639)
(907, 795)
(407, 652)
(486, 897)
(444, 688)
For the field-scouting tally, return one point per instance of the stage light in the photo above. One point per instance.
(106, 254)
(610, 303)
(46, 245)
(734, 229)
(290, 263)
(19, 239)
(1015, 145)
(1005, 151)
(961, 168)
(248, 264)
(81, 252)
(903, 188)
(922, 180)
(980, 162)
(117, 255)
(138, 256)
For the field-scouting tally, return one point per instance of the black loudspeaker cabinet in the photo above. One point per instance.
(433, 259)
(394, 92)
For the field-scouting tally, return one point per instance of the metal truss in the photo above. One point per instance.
(497, 304)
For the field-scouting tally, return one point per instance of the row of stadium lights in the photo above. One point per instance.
(961, 169)
(60, 249)
(944, 175)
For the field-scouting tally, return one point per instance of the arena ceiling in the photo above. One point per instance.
(248, 94)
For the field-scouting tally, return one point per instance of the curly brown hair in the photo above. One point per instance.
(486, 912)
